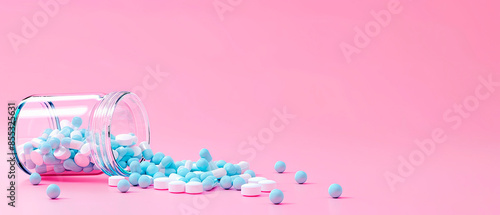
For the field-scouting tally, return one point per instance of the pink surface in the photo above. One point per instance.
(355, 114)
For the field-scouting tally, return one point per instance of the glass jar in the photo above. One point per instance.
(75, 133)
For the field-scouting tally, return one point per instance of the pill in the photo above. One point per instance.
(204, 153)
(267, 185)
(137, 150)
(41, 169)
(276, 196)
(85, 149)
(49, 159)
(124, 139)
(206, 174)
(175, 177)
(162, 183)
(245, 177)
(280, 166)
(188, 165)
(36, 142)
(244, 166)
(147, 154)
(129, 161)
(54, 132)
(62, 153)
(59, 168)
(194, 187)
(82, 160)
(144, 166)
(176, 186)
(191, 175)
(134, 178)
(226, 182)
(65, 142)
(144, 145)
(122, 164)
(45, 148)
(219, 172)
(250, 172)
(88, 168)
(76, 121)
(113, 180)
(123, 185)
(221, 163)
(135, 166)
(335, 190)
(35, 178)
(144, 181)
(157, 158)
(54, 142)
(238, 169)
(36, 157)
(169, 171)
(75, 144)
(178, 164)
(202, 164)
(238, 182)
(300, 177)
(230, 169)
(53, 191)
(250, 190)
(182, 171)
(255, 180)
(167, 162)
(76, 135)
(208, 184)
(69, 164)
(152, 169)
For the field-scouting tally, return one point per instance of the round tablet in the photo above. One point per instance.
(255, 180)
(162, 183)
(123, 185)
(35, 178)
(276, 196)
(124, 139)
(194, 187)
(280, 166)
(113, 180)
(53, 191)
(250, 189)
(176, 186)
(267, 185)
(300, 177)
(335, 190)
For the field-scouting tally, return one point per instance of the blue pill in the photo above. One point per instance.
(54, 142)
(53, 191)
(178, 164)
(76, 121)
(152, 170)
(147, 154)
(65, 142)
(130, 160)
(50, 159)
(144, 166)
(158, 175)
(221, 163)
(280, 166)
(169, 171)
(144, 181)
(276, 196)
(182, 171)
(230, 169)
(134, 178)
(300, 177)
(226, 182)
(59, 168)
(123, 185)
(208, 184)
(238, 169)
(157, 158)
(129, 152)
(238, 182)
(250, 172)
(205, 175)
(135, 166)
(191, 175)
(35, 178)
(45, 148)
(212, 178)
(202, 164)
(167, 162)
(28, 147)
(335, 190)
(205, 154)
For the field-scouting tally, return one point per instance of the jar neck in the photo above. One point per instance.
(99, 130)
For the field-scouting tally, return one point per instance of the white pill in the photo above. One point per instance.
(124, 139)
(65, 123)
(75, 133)
(267, 185)
(250, 190)
(162, 183)
(36, 157)
(54, 132)
(246, 176)
(176, 186)
(75, 144)
(244, 166)
(194, 187)
(62, 153)
(82, 160)
(36, 142)
(60, 136)
(144, 145)
(189, 165)
(255, 180)
(85, 149)
(113, 180)
(174, 176)
(137, 150)
(218, 173)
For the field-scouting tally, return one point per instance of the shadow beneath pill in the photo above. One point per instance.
(306, 183)
(283, 203)
(58, 199)
(342, 197)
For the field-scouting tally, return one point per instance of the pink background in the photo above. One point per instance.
(353, 120)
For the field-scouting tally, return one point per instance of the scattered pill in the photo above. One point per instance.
(202, 164)
(134, 178)
(280, 166)
(335, 190)
(226, 182)
(194, 187)
(267, 185)
(243, 165)
(255, 180)
(276, 196)
(53, 191)
(219, 172)
(250, 190)
(176, 186)
(250, 172)
(204, 153)
(123, 185)
(144, 181)
(162, 183)
(230, 169)
(113, 180)
(208, 184)
(35, 178)
(238, 182)
(300, 177)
